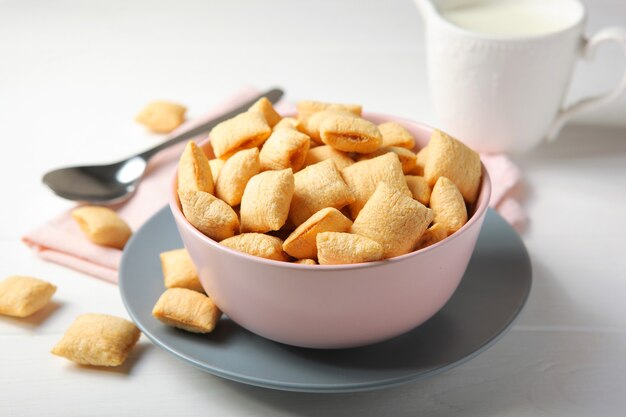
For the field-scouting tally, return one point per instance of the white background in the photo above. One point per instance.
(73, 75)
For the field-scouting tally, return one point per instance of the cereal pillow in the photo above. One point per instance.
(98, 339)
(22, 296)
(188, 310)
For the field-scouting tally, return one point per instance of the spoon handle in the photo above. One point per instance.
(272, 95)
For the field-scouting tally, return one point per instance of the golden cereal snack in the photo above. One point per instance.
(194, 170)
(316, 187)
(162, 116)
(188, 310)
(311, 125)
(285, 148)
(407, 158)
(307, 108)
(321, 153)
(179, 271)
(286, 123)
(265, 107)
(258, 244)
(216, 166)
(420, 189)
(432, 235)
(448, 157)
(98, 339)
(209, 214)
(306, 262)
(363, 178)
(393, 219)
(448, 205)
(22, 296)
(244, 131)
(335, 248)
(350, 134)
(266, 200)
(235, 174)
(420, 161)
(102, 226)
(301, 242)
(394, 134)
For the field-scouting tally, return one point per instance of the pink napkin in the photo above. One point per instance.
(61, 241)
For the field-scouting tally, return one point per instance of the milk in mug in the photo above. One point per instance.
(507, 18)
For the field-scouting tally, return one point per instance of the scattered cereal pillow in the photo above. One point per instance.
(102, 226)
(179, 271)
(98, 339)
(188, 310)
(162, 116)
(22, 296)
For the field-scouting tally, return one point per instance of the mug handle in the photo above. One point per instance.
(616, 34)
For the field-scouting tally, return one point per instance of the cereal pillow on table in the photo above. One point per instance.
(22, 296)
(102, 226)
(98, 339)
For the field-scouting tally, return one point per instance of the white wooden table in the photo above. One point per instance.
(72, 76)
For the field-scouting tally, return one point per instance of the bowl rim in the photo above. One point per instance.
(479, 211)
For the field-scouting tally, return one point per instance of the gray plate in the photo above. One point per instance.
(492, 293)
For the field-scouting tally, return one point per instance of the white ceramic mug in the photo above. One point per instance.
(505, 94)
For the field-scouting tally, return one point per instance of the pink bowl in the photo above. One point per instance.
(334, 306)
